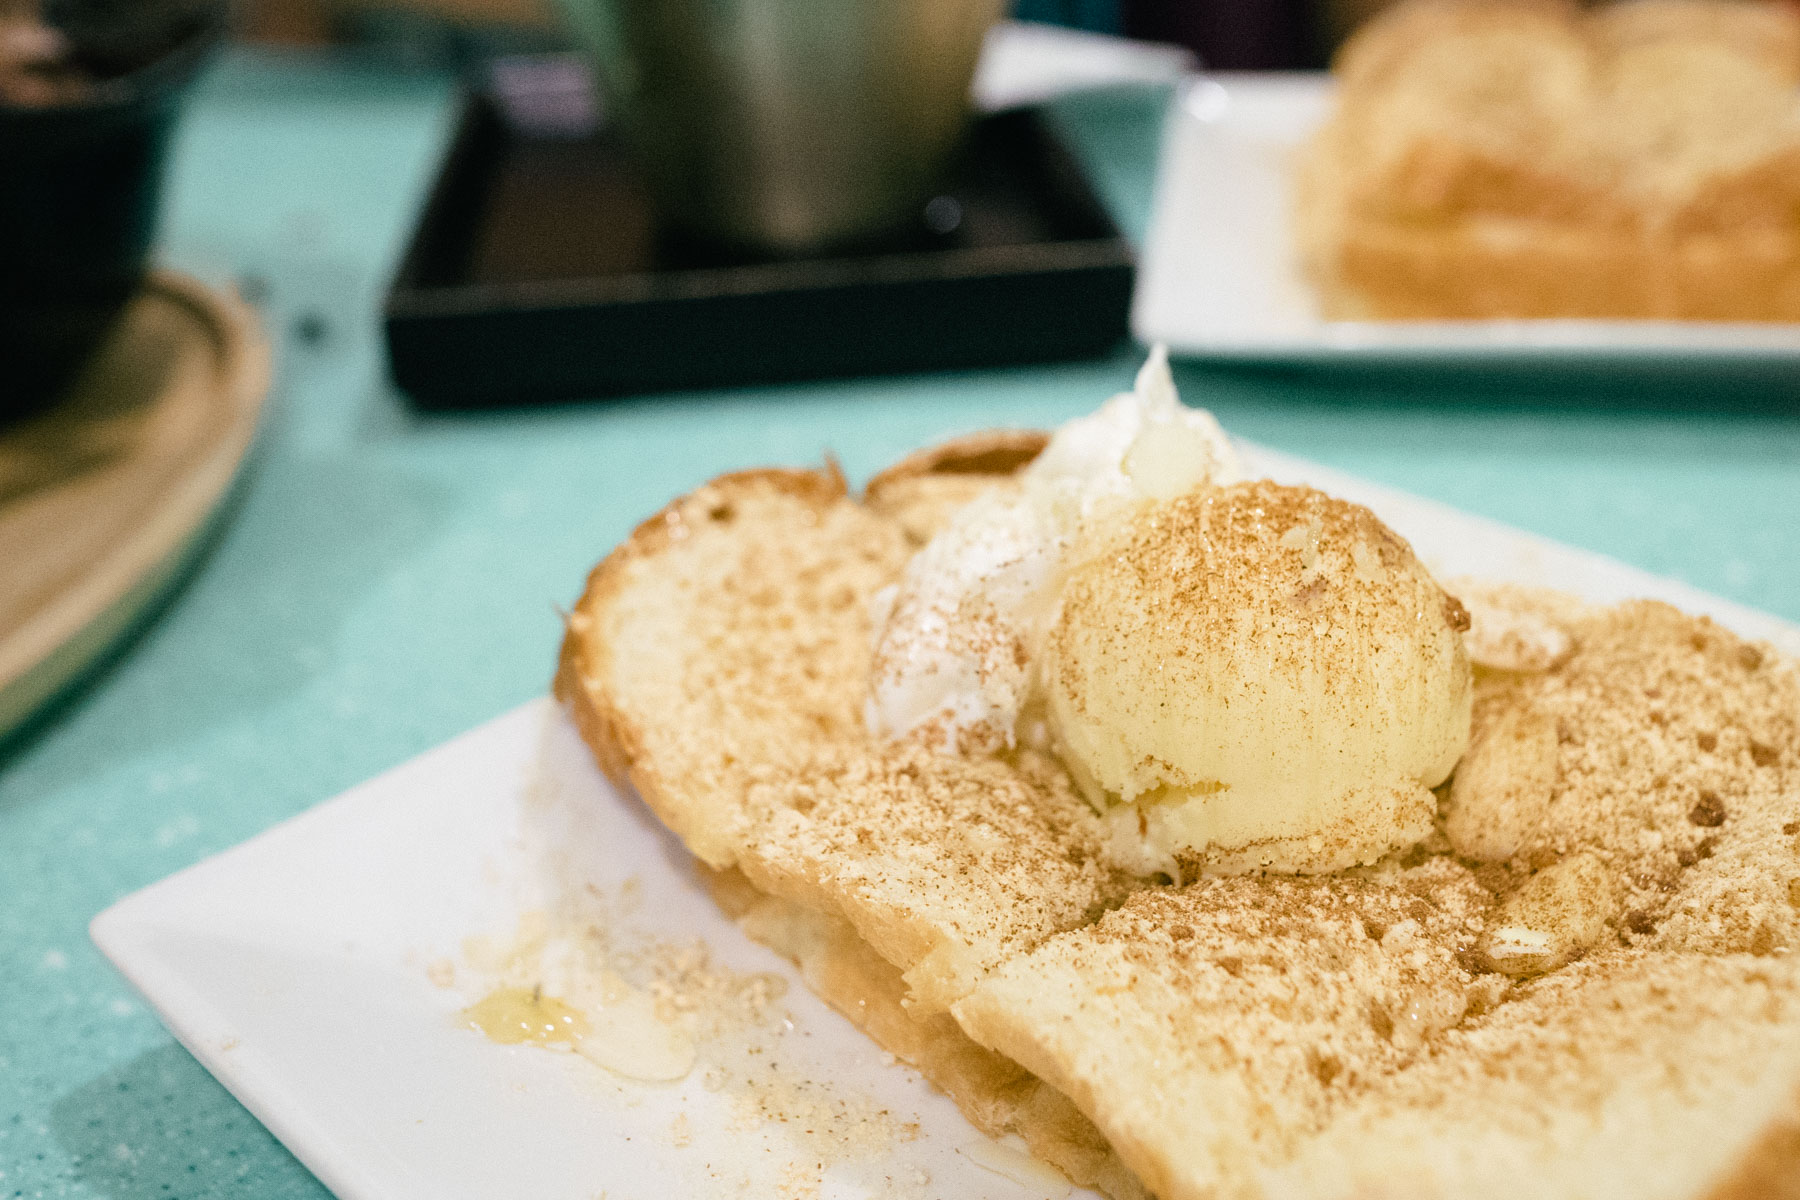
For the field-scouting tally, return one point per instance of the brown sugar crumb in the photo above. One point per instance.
(1514, 629)
(1455, 615)
(1699, 851)
(686, 985)
(1708, 811)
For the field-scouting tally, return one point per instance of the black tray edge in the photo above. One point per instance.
(471, 346)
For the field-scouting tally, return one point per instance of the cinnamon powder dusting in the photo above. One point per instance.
(1673, 745)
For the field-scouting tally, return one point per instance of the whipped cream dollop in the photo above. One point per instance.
(956, 636)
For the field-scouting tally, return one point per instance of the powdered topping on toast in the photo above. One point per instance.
(945, 865)
(1214, 1027)
(710, 644)
(1664, 749)
(1629, 1073)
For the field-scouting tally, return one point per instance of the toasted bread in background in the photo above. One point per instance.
(1578, 986)
(1532, 159)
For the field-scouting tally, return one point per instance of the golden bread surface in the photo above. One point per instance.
(1493, 159)
(1578, 984)
(1210, 1029)
(1629, 1074)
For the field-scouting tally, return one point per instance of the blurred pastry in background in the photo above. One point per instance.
(1533, 159)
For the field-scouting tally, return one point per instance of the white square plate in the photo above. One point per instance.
(308, 968)
(1220, 275)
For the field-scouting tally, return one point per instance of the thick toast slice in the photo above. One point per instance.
(718, 664)
(1617, 983)
(997, 1095)
(892, 882)
(1631, 1074)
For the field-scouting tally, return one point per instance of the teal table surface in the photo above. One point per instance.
(385, 580)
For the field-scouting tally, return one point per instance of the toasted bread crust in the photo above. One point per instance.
(997, 452)
(1503, 158)
(924, 489)
(584, 658)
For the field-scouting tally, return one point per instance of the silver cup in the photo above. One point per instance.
(787, 125)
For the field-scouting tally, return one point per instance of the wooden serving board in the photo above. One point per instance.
(104, 495)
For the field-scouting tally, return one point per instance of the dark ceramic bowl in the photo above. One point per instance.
(79, 185)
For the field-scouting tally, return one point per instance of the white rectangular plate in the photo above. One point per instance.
(1220, 275)
(306, 968)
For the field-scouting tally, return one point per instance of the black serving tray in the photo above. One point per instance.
(538, 273)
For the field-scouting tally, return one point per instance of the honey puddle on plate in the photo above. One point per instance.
(581, 980)
(557, 989)
(625, 1035)
(511, 1015)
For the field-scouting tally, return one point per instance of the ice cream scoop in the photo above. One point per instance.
(1256, 676)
